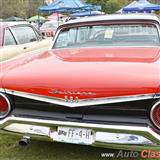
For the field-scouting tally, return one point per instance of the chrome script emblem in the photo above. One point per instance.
(65, 92)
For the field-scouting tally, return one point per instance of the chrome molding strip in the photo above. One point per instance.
(144, 131)
(84, 102)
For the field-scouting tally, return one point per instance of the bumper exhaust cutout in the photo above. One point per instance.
(25, 141)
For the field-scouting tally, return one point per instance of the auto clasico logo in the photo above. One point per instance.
(144, 154)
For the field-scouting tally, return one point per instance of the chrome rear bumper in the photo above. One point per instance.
(110, 136)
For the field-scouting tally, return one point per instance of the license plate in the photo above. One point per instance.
(74, 135)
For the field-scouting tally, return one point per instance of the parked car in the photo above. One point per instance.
(17, 38)
(98, 85)
(48, 29)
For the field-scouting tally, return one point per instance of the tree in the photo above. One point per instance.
(109, 6)
(28, 8)
(112, 6)
(102, 3)
(20, 8)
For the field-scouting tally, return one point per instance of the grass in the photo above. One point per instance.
(37, 150)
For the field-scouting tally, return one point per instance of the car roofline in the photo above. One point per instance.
(114, 17)
(10, 24)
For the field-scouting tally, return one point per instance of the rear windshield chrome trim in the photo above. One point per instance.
(83, 102)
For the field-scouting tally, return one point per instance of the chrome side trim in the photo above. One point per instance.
(83, 102)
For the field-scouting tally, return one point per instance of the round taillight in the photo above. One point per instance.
(155, 114)
(5, 106)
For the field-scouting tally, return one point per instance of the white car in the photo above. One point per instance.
(19, 38)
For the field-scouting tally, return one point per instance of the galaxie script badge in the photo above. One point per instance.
(55, 91)
(71, 96)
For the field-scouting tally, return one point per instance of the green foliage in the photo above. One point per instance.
(20, 8)
(37, 150)
(102, 3)
(112, 6)
(109, 6)
(28, 8)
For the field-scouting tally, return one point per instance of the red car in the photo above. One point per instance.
(99, 85)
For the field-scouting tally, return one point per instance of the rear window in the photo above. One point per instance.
(24, 34)
(8, 38)
(109, 35)
(49, 26)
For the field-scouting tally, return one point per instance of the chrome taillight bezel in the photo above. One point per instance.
(9, 106)
(152, 114)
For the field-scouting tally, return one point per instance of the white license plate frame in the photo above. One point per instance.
(73, 135)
